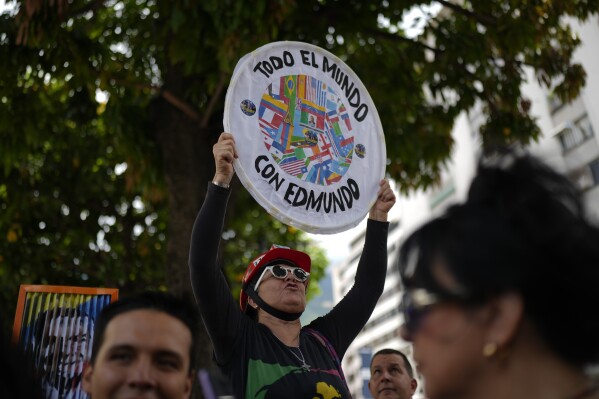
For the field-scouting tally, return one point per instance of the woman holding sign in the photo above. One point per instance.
(262, 347)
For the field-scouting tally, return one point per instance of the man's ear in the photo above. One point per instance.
(414, 385)
(86, 383)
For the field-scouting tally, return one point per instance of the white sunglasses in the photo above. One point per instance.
(281, 273)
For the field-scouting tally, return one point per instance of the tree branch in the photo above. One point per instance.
(180, 104)
(169, 96)
(393, 36)
(483, 19)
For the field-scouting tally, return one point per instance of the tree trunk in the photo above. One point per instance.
(188, 166)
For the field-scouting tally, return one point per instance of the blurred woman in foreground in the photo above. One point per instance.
(502, 292)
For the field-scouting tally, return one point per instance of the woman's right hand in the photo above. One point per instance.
(224, 154)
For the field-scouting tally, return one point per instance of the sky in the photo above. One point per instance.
(4, 6)
(336, 246)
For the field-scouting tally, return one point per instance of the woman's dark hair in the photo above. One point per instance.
(522, 229)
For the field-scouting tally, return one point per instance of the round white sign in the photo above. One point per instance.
(310, 142)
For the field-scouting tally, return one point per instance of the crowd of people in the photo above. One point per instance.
(499, 299)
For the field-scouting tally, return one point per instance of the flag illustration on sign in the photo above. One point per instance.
(306, 129)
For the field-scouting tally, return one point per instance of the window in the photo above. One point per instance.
(554, 102)
(573, 134)
(587, 176)
(594, 166)
(584, 125)
(393, 225)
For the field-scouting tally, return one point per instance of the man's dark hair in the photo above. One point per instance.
(389, 351)
(176, 307)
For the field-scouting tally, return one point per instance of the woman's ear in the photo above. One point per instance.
(505, 318)
(252, 303)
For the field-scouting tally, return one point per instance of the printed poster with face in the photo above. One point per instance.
(310, 142)
(54, 326)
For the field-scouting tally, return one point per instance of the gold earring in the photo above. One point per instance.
(489, 349)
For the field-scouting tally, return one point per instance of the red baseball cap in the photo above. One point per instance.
(276, 252)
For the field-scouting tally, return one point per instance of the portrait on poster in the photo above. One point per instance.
(54, 326)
